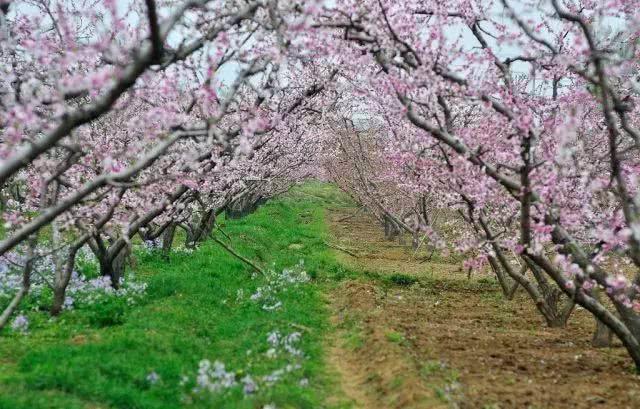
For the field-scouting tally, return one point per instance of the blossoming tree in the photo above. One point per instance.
(518, 114)
(554, 149)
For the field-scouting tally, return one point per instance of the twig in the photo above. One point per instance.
(237, 255)
(351, 215)
(341, 249)
(223, 232)
(301, 327)
(312, 195)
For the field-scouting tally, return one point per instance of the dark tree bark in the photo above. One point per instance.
(244, 205)
(167, 240)
(602, 335)
(508, 289)
(61, 281)
(112, 263)
(391, 229)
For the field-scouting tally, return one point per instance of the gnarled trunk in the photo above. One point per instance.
(167, 240)
(391, 229)
(61, 281)
(112, 263)
(602, 335)
(244, 205)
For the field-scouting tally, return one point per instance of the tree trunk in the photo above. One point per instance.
(561, 316)
(591, 304)
(199, 229)
(61, 282)
(243, 206)
(555, 315)
(13, 305)
(167, 240)
(415, 241)
(602, 336)
(391, 229)
(119, 265)
(507, 291)
(24, 288)
(113, 266)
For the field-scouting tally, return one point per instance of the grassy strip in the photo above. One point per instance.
(191, 312)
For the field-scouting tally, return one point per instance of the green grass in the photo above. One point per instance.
(395, 337)
(402, 280)
(190, 313)
(353, 332)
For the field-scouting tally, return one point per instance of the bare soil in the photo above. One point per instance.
(452, 341)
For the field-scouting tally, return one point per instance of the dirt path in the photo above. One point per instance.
(447, 341)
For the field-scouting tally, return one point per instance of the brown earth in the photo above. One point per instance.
(452, 341)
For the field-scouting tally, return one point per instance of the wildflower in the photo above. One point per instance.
(151, 244)
(153, 377)
(68, 303)
(257, 295)
(272, 307)
(273, 338)
(274, 376)
(20, 324)
(249, 385)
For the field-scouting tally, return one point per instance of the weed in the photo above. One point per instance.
(395, 337)
(401, 279)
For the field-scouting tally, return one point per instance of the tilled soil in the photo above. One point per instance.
(451, 341)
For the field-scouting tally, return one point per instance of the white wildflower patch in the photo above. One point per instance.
(81, 290)
(89, 291)
(216, 378)
(20, 324)
(276, 281)
(283, 348)
(213, 377)
(184, 250)
(152, 245)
